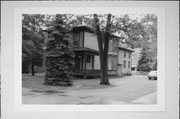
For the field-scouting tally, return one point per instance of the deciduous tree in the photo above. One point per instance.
(32, 40)
(103, 45)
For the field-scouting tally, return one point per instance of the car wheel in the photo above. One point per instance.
(149, 78)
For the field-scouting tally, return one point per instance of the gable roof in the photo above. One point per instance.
(126, 49)
(90, 30)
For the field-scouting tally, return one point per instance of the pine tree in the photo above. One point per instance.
(59, 58)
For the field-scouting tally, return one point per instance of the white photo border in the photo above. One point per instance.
(159, 11)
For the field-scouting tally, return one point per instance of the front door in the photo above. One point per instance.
(77, 63)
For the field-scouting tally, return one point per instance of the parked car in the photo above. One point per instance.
(152, 75)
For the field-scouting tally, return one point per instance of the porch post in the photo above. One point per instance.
(85, 57)
(82, 66)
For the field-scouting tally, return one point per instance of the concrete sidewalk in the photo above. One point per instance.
(147, 99)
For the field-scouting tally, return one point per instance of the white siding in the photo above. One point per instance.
(90, 41)
(96, 62)
(89, 64)
(120, 57)
(121, 60)
(109, 63)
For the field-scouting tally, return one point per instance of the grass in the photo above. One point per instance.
(86, 91)
(36, 83)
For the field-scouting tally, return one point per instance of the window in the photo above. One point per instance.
(76, 39)
(129, 64)
(129, 55)
(88, 58)
(124, 54)
(124, 64)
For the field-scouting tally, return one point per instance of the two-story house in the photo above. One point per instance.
(113, 55)
(85, 47)
(86, 50)
(124, 59)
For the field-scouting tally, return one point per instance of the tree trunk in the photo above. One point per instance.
(103, 49)
(32, 68)
(104, 75)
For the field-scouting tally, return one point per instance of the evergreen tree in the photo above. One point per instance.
(59, 58)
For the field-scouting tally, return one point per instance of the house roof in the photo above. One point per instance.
(84, 49)
(82, 28)
(88, 29)
(126, 49)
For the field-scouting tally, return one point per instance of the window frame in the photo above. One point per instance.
(129, 64)
(124, 64)
(124, 54)
(76, 40)
(129, 55)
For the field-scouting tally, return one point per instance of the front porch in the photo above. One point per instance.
(84, 63)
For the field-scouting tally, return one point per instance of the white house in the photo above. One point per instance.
(124, 59)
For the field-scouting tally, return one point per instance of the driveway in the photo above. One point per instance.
(121, 91)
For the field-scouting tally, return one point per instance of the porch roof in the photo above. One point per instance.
(84, 49)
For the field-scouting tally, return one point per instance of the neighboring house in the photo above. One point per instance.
(86, 50)
(113, 55)
(136, 55)
(124, 59)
